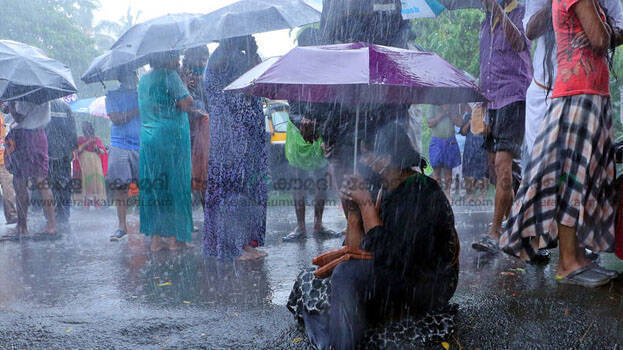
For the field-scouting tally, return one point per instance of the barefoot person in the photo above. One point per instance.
(125, 135)
(236, 198)
(165, 169)
(568, 196)
(26, 157)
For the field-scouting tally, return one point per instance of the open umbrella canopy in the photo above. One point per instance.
(359, 73)
(93, 106)
(163, 34)
(247, 17)
(113, 64)
(26, 73)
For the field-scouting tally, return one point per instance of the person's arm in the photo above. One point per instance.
(356, 192)
(118, 118)
(514, 36)
(595, 29)
(540, 22)
(465, 128)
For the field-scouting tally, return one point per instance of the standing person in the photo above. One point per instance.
(474, 162)
(125, 139)
(165, 169)
(444, 149)
(26, 157)
(538, 24)
(236, 198)
(91, 150)
(505, 73)
(62, 142)
(312, 177)
(193, 68)
(568, 196)
(6, 179)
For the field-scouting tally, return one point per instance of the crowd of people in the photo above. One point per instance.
(544, 140)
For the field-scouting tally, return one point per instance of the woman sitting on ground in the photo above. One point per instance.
(411, 236)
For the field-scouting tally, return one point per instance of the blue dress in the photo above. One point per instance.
(236, 195)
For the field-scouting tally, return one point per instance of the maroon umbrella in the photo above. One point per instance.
(359, 73)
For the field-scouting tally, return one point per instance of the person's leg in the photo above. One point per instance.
(64, 200)
(503, 191)
(48, 205)
(347, 315)
(8, 195)
(157, 244)
(572, 256)
(22, 200)
(447, 179)
(320, 199)
(121, 202)
(299, 207)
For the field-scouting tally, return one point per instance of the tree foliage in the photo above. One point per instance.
(61, 28)
(454, 36)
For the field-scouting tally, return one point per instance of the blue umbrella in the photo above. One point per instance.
(421, 8)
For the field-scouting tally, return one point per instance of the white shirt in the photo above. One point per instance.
(37, 116)
(612, 7)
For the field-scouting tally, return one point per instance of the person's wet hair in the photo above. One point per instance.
(392, 140)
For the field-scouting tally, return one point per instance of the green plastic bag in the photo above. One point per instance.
(301, 154)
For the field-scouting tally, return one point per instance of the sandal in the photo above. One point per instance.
(330, 233)
(293, 236)
(586, 276)
(610, 273)
(486, 244)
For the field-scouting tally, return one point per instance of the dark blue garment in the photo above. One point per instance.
(474, 157)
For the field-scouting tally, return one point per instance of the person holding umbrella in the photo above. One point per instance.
(125, 133)
(62, 142)
(26, 157)
(236, 198)
(165, 161)
(409, 253)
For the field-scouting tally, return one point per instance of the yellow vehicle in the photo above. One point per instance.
(277, 115)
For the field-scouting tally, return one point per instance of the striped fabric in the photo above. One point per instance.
(569, 180)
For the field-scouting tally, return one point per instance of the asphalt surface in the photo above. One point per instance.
(83, 291)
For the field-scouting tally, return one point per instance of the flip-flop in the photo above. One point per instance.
(293, 236)
(586, 276)
(46, 236)
(13, 238)
(604, 271)
(327, 232)
(486, 244)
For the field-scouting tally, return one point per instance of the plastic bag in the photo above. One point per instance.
(301, 154)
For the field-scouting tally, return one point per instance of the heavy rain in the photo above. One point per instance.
(311, 174)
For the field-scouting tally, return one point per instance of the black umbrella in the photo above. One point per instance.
(112, 65)
(27, 74)
(247, 17)
(163, 34)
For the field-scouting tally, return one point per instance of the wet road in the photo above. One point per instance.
(82, 291)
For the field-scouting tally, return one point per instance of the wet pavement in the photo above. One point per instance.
(83, 291)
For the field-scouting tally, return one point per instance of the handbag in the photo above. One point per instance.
(618, 236)
(478, 119)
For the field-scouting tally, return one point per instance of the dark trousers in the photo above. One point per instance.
(343, 327)
(59, 180)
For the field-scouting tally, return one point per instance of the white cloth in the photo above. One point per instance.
(612, 7)
(37, 116)
(536, 107)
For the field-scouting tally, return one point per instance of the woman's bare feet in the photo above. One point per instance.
(50, 229)
(246, 255)
(250, 253)
(157, 244)
(20, 230)
(176, 245)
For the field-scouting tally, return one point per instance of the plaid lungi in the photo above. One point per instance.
(569, 180)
